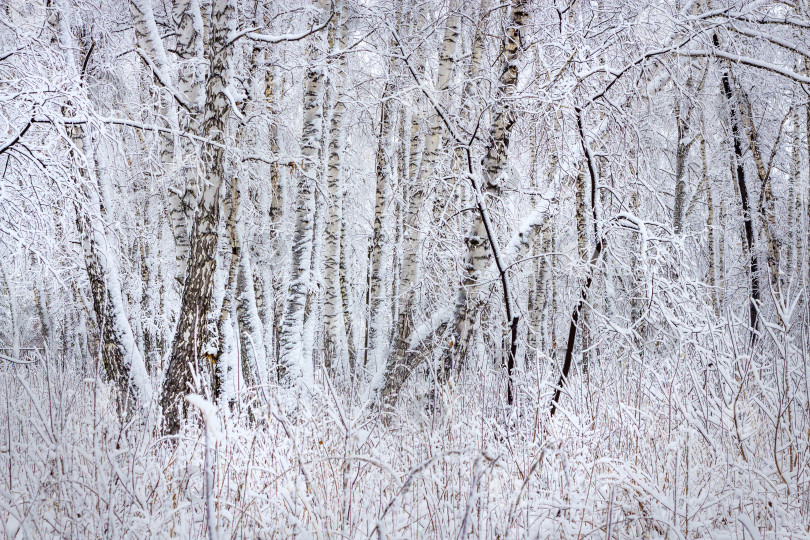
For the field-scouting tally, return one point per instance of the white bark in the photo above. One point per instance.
(298, 369)
(190, 85)
(193, 336)
(332, 300)
(14, 311)
(123, 361)
(494, 162)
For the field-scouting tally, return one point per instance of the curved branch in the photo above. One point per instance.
(17, 138)
(748, 61)
(266, 38)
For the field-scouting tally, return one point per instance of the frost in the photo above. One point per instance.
(209, 414)
(497, 270)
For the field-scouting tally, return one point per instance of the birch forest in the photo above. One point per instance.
(394, 269)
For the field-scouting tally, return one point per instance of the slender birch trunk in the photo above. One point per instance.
(298, 371)
(334, 207)
(345, 291)
(540, 243)
(225, 370)
(401, 363)
(444, 74)
(806, 254)
(272, 277)
(251, 339)
(150, 46)
(794, 198)
(680, 170)
(380, 248)
(13, 311)
(766, 204)
(313, 310)
(742, 191)
(191, 73)
(582, 250)
(709, 226)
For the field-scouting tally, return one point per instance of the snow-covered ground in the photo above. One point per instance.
(627, 460)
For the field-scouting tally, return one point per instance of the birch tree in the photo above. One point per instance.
(123, 361)
(193, 338)
(298, 370)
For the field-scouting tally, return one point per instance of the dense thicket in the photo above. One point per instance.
(447, 268)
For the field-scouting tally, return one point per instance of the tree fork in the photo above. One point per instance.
(597, 252)
(746, 208)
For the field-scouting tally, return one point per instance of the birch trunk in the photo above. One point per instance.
(272, 278)
(680, 162)
(344, 294)
(541, 241)
(710, 227)
(254, 359)
(380, 249)
(807, 193)
(334, 207)
(193, 334)
(766, 204)
(444, 74)
(123, 362)
(13, 311)
(225, 370)
(582, 249)
(151, 49)
(298, 371)
(398, 364)
(401, 363)
(190, 85)
(794, 198)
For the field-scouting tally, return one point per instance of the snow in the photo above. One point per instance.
(521, 239)
(426, 329)
(209, 413)
(683, 423)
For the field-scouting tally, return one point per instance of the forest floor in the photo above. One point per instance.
(466, 468)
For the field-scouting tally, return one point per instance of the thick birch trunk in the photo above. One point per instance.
(193, 333)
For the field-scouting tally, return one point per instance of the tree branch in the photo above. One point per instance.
(17, 138)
